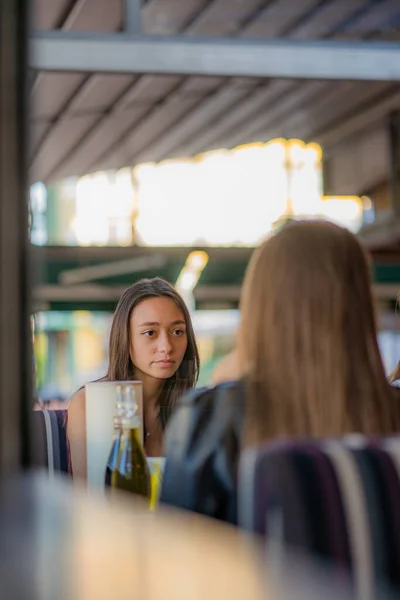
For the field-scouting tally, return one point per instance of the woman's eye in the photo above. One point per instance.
(179, 332)
(149, 333)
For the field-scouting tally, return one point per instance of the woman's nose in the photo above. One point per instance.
(164, 343)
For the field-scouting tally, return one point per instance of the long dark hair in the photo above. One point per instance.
(120, 366)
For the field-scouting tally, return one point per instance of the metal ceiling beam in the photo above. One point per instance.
(78, 293)
(112, 269)
(92, 292)
(82, 254)
(118, 53)
(112, 293)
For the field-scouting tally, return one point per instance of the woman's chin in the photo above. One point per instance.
(164, 372)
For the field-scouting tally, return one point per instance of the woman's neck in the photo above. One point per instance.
(153, 442)
(151, 394)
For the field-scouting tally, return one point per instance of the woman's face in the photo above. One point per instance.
(158, 338)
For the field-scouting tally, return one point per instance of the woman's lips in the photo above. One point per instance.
(165, 363)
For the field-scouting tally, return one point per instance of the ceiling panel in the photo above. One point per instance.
(132, 103)
(362, 119)
(83, 122)
(96, 15)
(209, 137)
(224, 17)
(278, 18)
(48, 14)
(152, 127)
(377, 17)
(273, 117)
(163, 115)
(151, 89)
(169, 16)
(335, 105)
(52, 91)
(101, 135)
(215, 105)
(103, 91)
(63, 136)
(202, 85)
(36, 133)
(286, 20)
(330, 15)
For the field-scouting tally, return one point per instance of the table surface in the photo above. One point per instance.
(59, 542)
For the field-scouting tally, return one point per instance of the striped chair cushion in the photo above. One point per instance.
(51, 448)
(338, 500)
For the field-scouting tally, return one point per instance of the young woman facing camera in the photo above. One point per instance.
(151, 340)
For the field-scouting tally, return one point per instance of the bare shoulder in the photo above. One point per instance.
(77, 400)
(77, 412)
(227, 369)
(76, 431)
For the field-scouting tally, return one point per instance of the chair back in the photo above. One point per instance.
(337, 501)
(51, 448)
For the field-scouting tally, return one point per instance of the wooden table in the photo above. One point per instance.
(59, 543)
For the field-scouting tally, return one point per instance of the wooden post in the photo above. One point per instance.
(394, 157)
(15, 336)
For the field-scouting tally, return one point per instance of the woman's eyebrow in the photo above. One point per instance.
(156, 324)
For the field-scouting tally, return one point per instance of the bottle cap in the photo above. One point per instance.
(130, 405)
(119, 401)
(127, 409)
(129, 394)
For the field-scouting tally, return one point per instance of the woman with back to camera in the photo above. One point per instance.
(309, 364)
(151, 340)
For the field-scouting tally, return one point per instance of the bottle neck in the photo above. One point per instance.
(131, 431)
(130, 423)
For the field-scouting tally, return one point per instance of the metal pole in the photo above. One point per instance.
(132, 17)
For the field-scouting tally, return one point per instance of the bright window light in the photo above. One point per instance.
(104, 208)
(220, 198)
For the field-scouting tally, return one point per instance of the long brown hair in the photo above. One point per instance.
(308, 338)
(120, 366)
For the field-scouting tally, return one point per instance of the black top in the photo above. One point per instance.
(202, 447)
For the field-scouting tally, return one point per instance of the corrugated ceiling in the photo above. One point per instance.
(81, 123)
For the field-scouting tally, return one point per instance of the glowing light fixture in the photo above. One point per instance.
(190, 275)
(197, 260)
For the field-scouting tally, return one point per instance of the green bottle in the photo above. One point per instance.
(131, 473)
(114, 454)
(117, 435)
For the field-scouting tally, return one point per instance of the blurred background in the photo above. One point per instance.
(181, 175)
